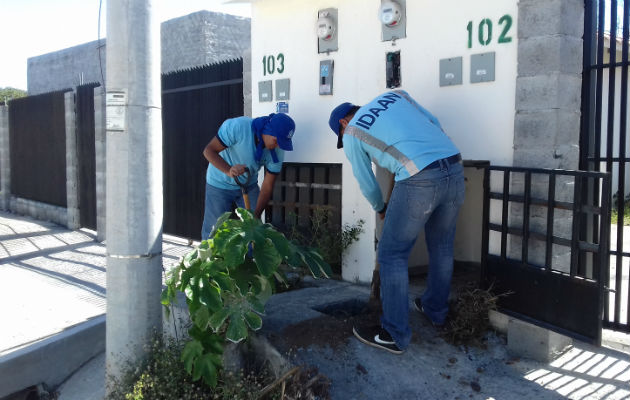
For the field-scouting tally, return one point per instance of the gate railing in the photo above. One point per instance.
(604, 130)
(539, 250)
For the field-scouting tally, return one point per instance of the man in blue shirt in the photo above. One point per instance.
(244, 144)
(398, 134)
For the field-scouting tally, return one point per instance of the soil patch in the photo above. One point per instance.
(325, 331)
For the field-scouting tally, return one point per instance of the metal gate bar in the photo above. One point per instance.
(566, 297)
(607, 27)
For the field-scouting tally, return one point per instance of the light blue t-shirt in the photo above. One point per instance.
(398, 134)
(238, 137)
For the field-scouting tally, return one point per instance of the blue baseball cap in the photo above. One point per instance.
(282, 127)
(338, 113)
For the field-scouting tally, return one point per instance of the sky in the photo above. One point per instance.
(31, 28)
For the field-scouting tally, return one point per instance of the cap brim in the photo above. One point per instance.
(285, 145)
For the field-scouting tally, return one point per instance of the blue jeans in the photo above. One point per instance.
(431, 199)
(219, 201)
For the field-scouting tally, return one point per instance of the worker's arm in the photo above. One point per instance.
(211, 152)
(266, 190)
(362, 169)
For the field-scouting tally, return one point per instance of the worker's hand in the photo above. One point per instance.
(236, 170)
(382, 212)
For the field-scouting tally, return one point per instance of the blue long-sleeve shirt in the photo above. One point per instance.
(396, 133)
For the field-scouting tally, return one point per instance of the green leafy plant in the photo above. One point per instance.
(162, 376)
(227, 280)
(614, 214)
(320, 232)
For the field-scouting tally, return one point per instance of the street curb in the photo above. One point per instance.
(53, 359)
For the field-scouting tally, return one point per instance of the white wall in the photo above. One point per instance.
(478, 117)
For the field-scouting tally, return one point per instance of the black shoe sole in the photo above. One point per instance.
(377, 345)
(421, 311)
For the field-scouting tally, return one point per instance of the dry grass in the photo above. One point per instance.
(468, 320)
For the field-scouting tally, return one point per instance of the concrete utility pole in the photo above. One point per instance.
(134, 180)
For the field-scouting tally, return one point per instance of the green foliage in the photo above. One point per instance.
(320, 233)
(163, 376)
(614, 214)
(227, 280)
(9, 93)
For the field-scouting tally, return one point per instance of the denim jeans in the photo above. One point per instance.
(431, 199)
(219, 201)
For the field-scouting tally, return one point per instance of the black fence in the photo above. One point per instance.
(86, 154)
(604, 145)
(194, 104)
(37, 135)
(536, 247)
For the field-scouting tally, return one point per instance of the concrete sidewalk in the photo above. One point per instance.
(52, 299)
(53, 314)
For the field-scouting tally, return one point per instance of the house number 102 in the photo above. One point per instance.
(269, 64)
(484, 31)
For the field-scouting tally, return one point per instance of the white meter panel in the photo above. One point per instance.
(393, 17)
(327, 30)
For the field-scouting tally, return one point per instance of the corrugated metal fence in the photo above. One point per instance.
(194, 104)
(37, 136)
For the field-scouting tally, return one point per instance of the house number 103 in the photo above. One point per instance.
(269, 64)
(484, 31)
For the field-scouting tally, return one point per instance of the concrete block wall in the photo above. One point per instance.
(66, 68)
(203, 38)
(190, 41)
(5, 171)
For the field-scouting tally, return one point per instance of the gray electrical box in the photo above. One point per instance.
(329, 44)
(264, 91)
(326, 69)
(283, 87)
(399, 30)
(482, 67)
(451, 71)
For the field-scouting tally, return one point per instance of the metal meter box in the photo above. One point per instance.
(451, 71)
(327, 45)
(482, 67)
(264, 91)
(326, 69)
(399, 30)
(283, 87)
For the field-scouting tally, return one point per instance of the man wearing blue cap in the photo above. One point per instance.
(398, 134)
(244, 144)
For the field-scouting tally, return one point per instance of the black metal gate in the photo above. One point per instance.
(604, 145)
(194, 104)
(86, 163)
(536, 252)
(37, 136)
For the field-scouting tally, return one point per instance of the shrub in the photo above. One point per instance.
(227, 280)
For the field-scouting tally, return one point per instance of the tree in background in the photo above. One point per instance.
(9, 93)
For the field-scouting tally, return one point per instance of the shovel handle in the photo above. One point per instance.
(243, 187)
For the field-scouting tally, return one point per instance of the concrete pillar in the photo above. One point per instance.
(548, 109)
(247, 82)
(100, 155)
(549, 83)
(72, 160)
(5, 164)
(134, 181)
